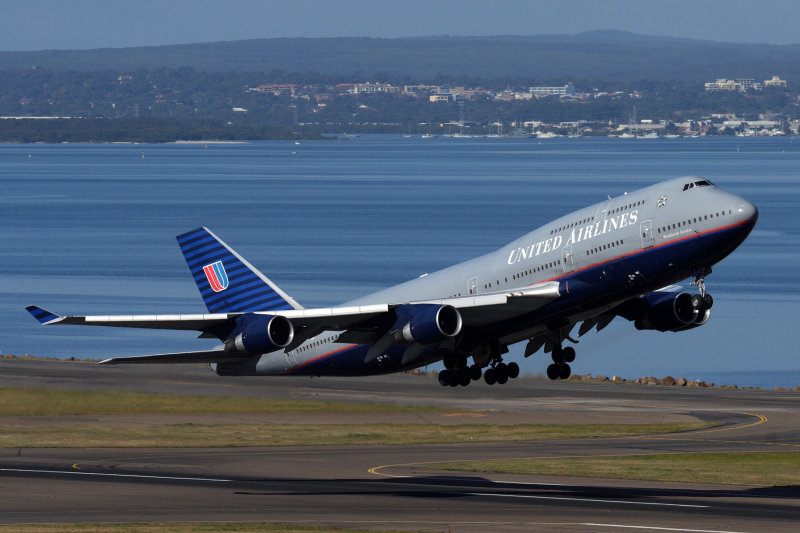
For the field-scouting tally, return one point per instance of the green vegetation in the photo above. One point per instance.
(753, 469)
(178, 527)
(149, 130)
(592, 55)
(233, 435)
(18, 401)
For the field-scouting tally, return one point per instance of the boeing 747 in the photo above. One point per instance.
(620, 257)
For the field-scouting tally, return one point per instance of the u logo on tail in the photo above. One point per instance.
(216, 276)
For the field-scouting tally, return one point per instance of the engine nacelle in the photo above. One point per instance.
(702, 318)
(434, 323)
(262, 334)
(668, 311)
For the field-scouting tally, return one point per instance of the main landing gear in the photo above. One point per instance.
(559, 369)
(457, 372)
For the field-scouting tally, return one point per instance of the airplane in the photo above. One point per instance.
(619, 257)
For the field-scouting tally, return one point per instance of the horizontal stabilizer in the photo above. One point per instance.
(212, 356)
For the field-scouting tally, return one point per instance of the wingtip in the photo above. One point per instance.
(42, 315)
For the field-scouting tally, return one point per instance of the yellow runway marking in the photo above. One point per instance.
(375, 470)
(761, 420)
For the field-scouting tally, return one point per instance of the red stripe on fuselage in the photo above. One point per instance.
(644, 250)
(319, 358)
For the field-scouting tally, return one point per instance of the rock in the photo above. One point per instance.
(681, 382)
(601, 378)
(669, 381)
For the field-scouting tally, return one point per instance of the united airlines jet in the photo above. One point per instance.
(619, 257)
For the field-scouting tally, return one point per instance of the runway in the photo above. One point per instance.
(397, 486)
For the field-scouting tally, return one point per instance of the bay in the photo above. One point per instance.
(89, 229)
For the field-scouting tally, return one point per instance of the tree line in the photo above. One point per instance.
(182, 101)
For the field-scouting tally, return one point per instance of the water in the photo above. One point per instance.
(89, 229)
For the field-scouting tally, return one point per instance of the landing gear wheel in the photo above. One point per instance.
(708, 301)
(444, 378)
(697, 301)
(513, 370)
(475, 372)
(501, 373)
(489, 377)
(569, 354)
(557, 355)
(463, 377)
(564, 371)
(552, 371)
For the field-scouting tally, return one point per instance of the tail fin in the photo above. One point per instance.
(228, 283)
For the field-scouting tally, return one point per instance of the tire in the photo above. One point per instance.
(557, 355)
(444, 378)
(489, 377)
(513, 370)
(552, 371)
(569, 354)
(564, 371)
(708, 301)
(463, 377)
(475, 372)
(697, 301)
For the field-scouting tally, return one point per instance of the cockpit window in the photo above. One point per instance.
(701, 183)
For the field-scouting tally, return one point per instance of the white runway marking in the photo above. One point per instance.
(661, 528)
(594, 500)
(103, 474)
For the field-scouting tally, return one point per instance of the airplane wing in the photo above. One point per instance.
(476, 310)
(210, 356)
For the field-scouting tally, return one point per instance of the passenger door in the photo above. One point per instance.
(646, 230)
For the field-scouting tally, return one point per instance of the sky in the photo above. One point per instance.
(83, 24)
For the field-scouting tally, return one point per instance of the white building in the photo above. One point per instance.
(566, 90)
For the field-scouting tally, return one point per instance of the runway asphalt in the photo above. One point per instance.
(392, 486)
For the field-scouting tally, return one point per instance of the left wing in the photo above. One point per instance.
(359, 323)
(477, 310)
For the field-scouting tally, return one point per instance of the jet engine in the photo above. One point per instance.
(433, 323)
(669, 311)
(262, 334)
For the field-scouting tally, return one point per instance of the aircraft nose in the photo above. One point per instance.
(746, 211)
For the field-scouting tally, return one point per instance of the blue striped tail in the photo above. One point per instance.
(227, 282)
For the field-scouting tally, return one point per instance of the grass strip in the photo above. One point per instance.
(233, 435)
(48, 402)
(180, 527)
(752, 469)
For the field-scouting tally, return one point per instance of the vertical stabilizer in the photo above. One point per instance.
(227, 282)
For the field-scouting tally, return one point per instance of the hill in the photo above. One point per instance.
(604, 54)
